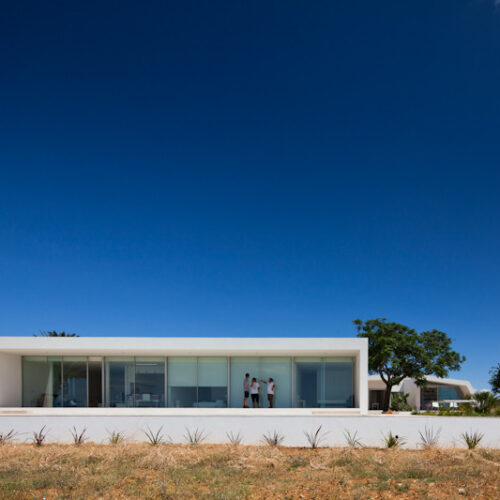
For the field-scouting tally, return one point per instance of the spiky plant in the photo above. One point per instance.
(155, 438)
(79, 437)
(472, 439)
(5, 437)
(116, 437)
(195, 437)
(352, 439)
(273, 439)
(393, 440)
(315, 438)
(429, 437)
(40, 436)
(234, 439)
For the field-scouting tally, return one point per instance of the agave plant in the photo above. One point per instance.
(315, 438)
(472, 439)
(79, 437)
(393, 440)
(352, 439)
(234, 439)
(195, 437)
(273, 438)
(40, 436)
(429, 437)
(5, 437)
(155, 438)
(116, 437)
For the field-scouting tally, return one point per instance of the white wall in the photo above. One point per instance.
(370, 429)
(10, 380)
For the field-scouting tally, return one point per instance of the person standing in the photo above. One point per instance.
(271, 387)
(254, 392)
(246, 389)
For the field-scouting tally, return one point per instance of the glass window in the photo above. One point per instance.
(42, 381)
(308, 382)
(339, 391)
(181, 378)
(95, 382)
(280, 370)
(75, 381)
(449, 392)
(324, 383)
(150, 382)
(212, 382)
(120, 382)
(239, 367)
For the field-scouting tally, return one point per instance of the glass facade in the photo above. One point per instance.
(203, 382)
(262, 368)
(324, 383)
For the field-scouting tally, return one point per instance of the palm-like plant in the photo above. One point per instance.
(486, 401)
(53, 333)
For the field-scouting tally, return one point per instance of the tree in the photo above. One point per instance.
(495, 379)
(53, 333)
(397, 351)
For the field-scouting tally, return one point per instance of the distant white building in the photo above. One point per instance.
(445, 391)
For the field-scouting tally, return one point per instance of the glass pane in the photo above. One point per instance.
(75, 382)
(309, 379)
(280, 370)
(449, 392)
(339, 391)
(95, 383)
(239, 367)
(120, 380)
(150, 382)
(42, 381)
(212, 383)
(181, 378)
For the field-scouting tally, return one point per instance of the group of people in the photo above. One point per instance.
(251, 389)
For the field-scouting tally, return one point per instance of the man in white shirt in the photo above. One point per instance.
(254, 392)
(271, 387)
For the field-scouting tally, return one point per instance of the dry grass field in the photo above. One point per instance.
(143, 471)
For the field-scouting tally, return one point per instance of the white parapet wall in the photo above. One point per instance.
(252, 424)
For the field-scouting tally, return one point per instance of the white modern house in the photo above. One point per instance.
(151, 373)
(437, 392)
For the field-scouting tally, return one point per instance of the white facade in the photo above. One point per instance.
(462, 388)
(13, 349)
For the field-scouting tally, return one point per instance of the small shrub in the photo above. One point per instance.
(393, 440)
(79, 437)
(116, 437)
(40, 436)
(5, 437)
(352, 439)
(155, 438)
(429, 437)
(234, 439)
(472, 439)
(273, 438)
(315, 438)
(399, 402)
(195, 437)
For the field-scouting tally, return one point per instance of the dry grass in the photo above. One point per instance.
(141, 471)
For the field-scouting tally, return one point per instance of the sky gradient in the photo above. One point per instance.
(251, 169)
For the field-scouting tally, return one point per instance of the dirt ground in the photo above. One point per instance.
(142, 471)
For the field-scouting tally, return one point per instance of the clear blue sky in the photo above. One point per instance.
(251, 169)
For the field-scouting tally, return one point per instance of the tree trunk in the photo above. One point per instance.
(387, 397)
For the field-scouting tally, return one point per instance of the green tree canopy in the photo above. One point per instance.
(53, 333)
(397, 351)
(495, 379)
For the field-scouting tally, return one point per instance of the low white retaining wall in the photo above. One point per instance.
(252, 426)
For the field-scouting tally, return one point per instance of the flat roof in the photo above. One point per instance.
(177, 346)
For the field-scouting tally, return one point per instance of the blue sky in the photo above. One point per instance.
(251, 169)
